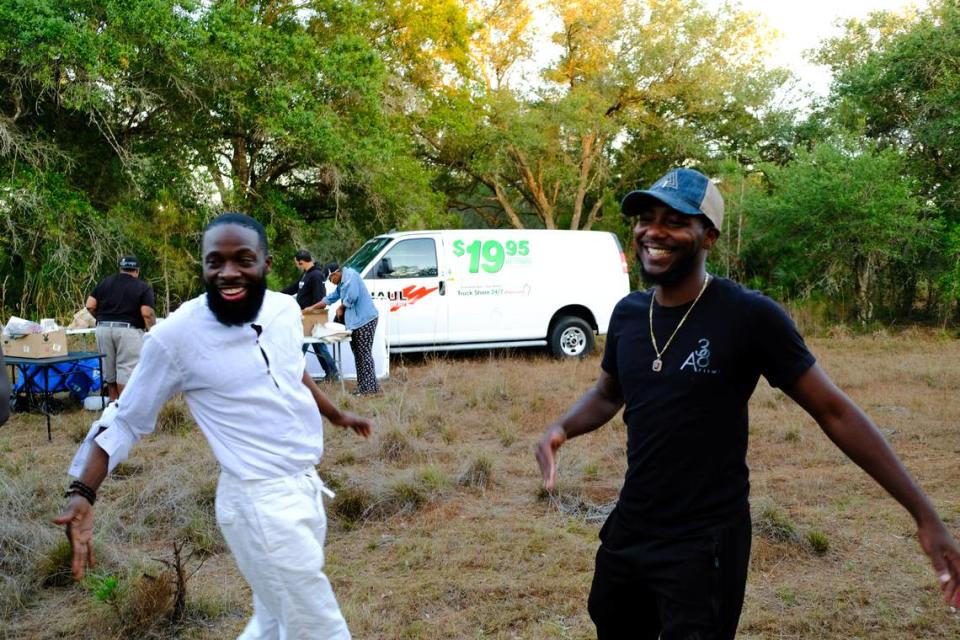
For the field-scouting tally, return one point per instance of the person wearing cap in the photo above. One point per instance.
(682, 360)
(309, 290)
(124, 308)
(360, 317)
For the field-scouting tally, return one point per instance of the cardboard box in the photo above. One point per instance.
(311, 319)
(37, 345)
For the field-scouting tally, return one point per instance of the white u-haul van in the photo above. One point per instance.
(475, 289)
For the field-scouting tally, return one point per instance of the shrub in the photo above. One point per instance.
(507, 435)
(53, 568)
(818, 541)
(394, 446)
(478, 474)
(432, 479)
(148, 601)
(352, 505)
(775, 525)
(175, 417)
(405, 496)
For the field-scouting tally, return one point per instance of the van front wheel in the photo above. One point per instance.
(571, 337)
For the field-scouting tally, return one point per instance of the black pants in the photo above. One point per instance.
(361, 343)
(673, 589)
(327, 363)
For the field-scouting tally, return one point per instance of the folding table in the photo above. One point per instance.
(34, 370)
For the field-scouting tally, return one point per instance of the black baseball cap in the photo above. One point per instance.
(129, 262)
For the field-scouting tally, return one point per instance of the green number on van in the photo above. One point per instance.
(492, 253)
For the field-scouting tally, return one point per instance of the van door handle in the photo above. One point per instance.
(443, 288)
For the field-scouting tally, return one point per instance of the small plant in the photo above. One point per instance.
(432, 478)
(202, 533)
(775, 525)
(786, 595)
(352, 505)
(478, 473)
(404, 496)
(54, 569)
(591, 470)
(127, 469)
(148, 601)
(347, 457)
(506, 435)
(792, 435)
(175, 418)
(394, 446)
(77, 431)
(818, 541)
(103, 587)
(448, 434)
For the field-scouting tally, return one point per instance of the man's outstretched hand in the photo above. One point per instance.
(944, 554)
(360, 426)
(78, 518)
(546, 452)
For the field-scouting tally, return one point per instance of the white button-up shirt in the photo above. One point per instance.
(252, 406)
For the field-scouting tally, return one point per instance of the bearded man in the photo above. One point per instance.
(682, 359)
(234, 352)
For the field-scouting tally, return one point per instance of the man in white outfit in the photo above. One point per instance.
(234, 353)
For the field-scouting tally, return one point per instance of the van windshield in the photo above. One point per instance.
(366, 253)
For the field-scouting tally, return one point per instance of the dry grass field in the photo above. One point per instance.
(439, 529)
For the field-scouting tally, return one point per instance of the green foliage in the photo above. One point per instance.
(625, 100)
(54, 566)
(126, 125)
(842, 221)
(775, 525)
(819, 541)
(897, 80)
(103, 587)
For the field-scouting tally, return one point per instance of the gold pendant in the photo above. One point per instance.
(657, 364)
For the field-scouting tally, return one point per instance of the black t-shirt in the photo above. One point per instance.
(310, 289)
(119, 298)
(687, 424)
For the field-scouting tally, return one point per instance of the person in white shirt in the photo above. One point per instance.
(234, 353)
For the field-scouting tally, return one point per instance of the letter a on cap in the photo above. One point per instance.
(668, 181)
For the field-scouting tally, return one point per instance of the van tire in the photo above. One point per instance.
(571, 337)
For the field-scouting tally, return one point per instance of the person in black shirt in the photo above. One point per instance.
(309, 290)
(683, 359)
(123, 306)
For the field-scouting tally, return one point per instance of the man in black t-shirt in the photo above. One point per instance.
(682, 359)
(123, 306)
(309, 290)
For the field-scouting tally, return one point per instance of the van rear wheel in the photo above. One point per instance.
(571, 337)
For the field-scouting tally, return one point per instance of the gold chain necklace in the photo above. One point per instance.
(658, 362)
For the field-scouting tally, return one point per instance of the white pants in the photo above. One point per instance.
(276, 529)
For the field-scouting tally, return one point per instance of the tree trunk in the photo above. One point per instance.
(241, 170)
(864, 284)
(507, 207)
(586, 159)
(536, 191)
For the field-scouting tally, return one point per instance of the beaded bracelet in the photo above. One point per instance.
(80, 489)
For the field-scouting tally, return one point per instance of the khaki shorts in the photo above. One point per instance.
(121, 349)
